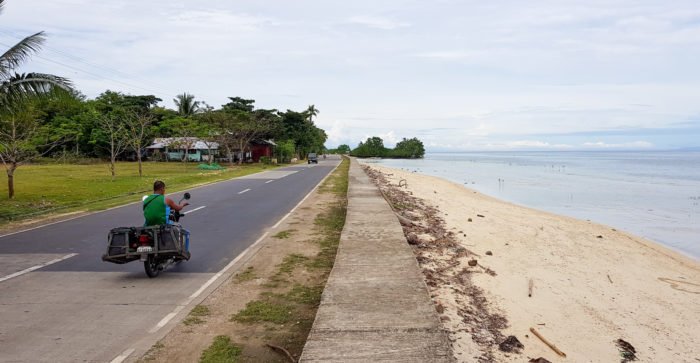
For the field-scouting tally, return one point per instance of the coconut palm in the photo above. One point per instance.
(15, 87)
(312, 112)
(186, 105)
(16, 128)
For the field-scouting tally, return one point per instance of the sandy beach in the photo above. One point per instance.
(591, 285)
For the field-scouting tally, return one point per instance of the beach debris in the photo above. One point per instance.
(609, 279)
(469, 220)
(473, 263)
(481, 215)
(539, 360)
(511, 345)
(439, 308)
(627, 351)
(547, 343)
(530, 285)
(403, 183)
(405, 221)
(489, 253)
(599, 236)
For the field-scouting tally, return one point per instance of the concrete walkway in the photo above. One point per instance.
(375, 306)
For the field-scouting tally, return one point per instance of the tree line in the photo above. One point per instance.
(43, 115)
(374, 147)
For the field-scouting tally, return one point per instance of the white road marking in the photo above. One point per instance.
(122, 357)
(244, 191)
(28, 270)
(194, 210)
(269, 181)
(166, 319)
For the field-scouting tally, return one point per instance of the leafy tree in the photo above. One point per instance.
(246, 127)
(112, 134)
(239, 104)
(137, 127)
(372, 147)
(186, 105)
(306, 136)
(408, 148)
(343, 149)
(21, 138)
(285, 150)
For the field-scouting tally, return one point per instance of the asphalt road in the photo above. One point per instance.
(60, 303)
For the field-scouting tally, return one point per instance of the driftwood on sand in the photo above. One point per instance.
(545, 341)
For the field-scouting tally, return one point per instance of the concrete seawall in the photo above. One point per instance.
(375, 306)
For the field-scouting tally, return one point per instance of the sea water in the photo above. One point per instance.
(655, 195)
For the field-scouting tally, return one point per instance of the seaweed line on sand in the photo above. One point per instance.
(444, 264)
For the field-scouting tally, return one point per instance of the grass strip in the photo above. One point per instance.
(221, 351)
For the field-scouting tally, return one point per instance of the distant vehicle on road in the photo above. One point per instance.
(313, 158)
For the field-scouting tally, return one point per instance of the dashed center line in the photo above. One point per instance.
(269, 181)
(244, 191)
(194, 210)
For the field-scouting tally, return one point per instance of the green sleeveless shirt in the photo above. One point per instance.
(154, 210)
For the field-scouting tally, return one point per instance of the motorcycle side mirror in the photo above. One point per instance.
(187, 196)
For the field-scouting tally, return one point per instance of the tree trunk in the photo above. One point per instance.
(11, 181)
(230, 156)
(112, 167)
(138, 157)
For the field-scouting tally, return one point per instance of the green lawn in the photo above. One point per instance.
(60, 188)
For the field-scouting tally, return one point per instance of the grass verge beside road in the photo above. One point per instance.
(61, 188)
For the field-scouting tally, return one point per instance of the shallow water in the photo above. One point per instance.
(655, 195)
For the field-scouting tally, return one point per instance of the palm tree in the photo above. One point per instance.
(15, 90)
(186, 105)
(15, 87)
(312, 112)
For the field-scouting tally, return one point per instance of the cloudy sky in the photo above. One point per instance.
(460, 75)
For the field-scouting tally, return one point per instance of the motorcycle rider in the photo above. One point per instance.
(156, 207)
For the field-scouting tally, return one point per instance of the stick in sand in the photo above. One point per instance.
(529, 288)
(552, 346)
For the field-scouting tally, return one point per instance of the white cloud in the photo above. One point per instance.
(476, 75)
(377, 22)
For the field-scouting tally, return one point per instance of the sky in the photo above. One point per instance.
(459, 75)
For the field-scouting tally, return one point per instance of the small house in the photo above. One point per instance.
(175, 148)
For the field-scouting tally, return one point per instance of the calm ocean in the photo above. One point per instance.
(655, 195)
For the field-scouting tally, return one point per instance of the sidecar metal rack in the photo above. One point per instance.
(168, 240)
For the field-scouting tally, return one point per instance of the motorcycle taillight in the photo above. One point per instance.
(143, 239)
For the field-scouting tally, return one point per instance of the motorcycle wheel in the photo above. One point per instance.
(151, 267)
